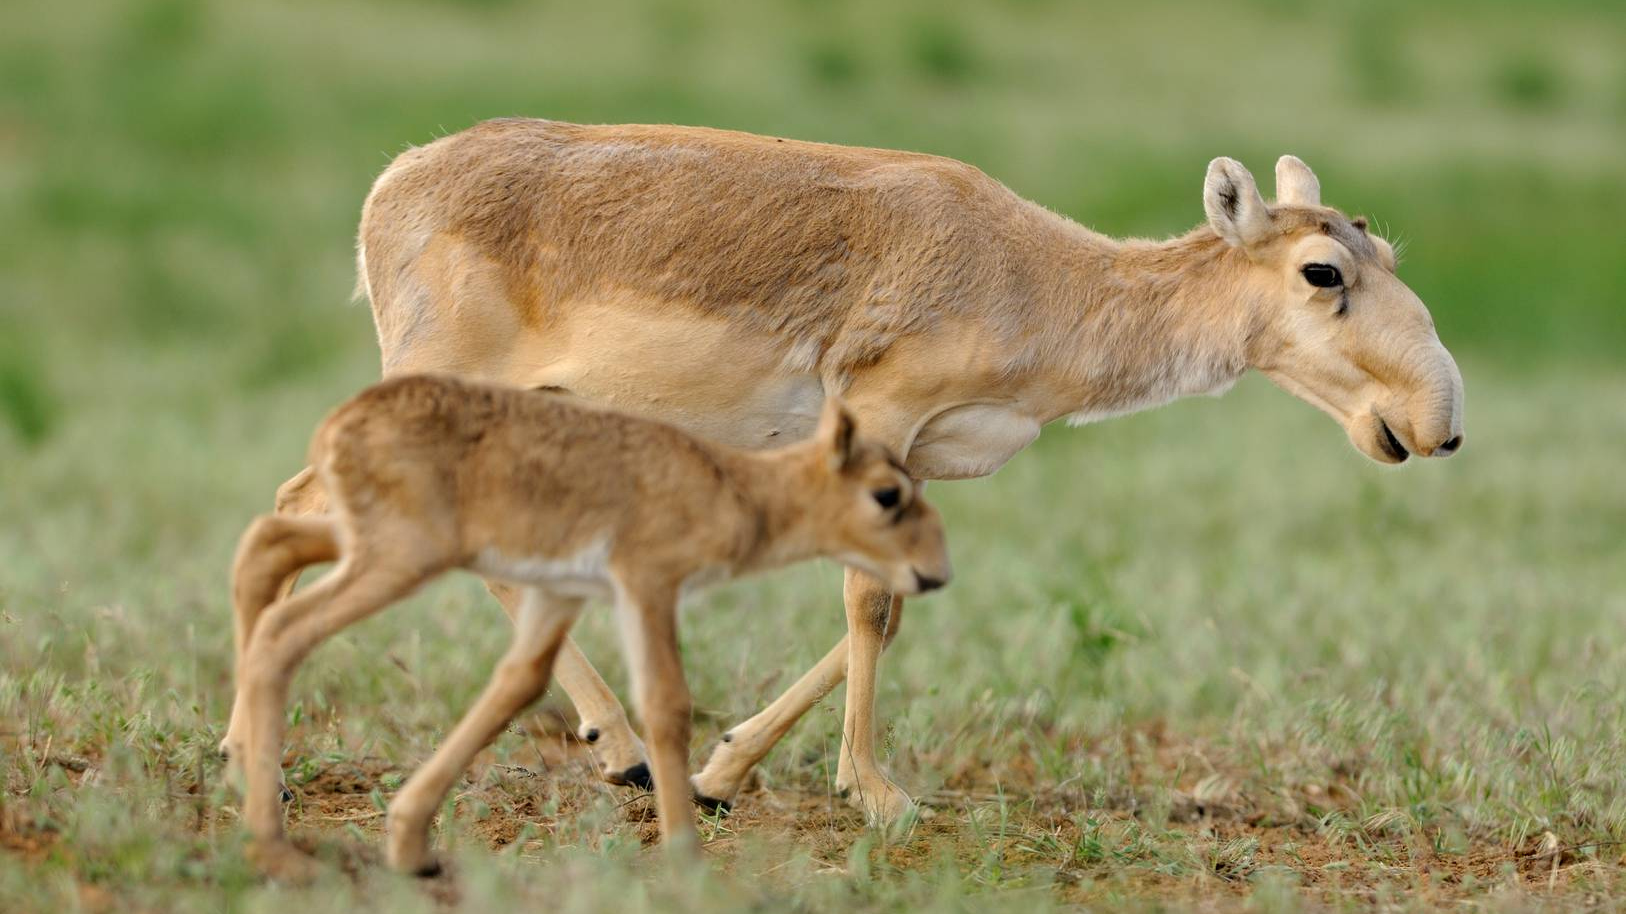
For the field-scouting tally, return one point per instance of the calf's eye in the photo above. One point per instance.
(1322, 275)
(887, 498)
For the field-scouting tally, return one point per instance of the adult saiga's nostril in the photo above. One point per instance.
(925, 584)
(1449, 447)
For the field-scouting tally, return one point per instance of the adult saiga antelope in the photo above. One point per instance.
(564, 500)
(729, 283)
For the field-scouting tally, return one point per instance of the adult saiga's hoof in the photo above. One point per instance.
(620, 755)
(712, 806)
(883, 802)
(717, 784)
(637, 776)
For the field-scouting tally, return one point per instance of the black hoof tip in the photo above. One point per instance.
(429, 870)
(286, 795)
(712, 805)
(636, 776)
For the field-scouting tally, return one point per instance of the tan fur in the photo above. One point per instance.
(730, 283)
(563, 500)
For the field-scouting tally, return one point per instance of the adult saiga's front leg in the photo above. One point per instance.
(873, 615)
(872, 612)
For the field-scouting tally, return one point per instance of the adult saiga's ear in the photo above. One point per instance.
(837, 433)
(1235, 209)
(1296, 184)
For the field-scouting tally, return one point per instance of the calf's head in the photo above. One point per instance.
(867, 513)
(1333, 324)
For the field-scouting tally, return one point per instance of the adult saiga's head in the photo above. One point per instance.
(1335, 326)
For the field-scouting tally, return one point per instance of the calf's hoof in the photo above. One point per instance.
(237, 779)
(429, 869)
(413, 858)
(282, 862)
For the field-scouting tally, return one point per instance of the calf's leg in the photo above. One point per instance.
(285, 635)
(274, 548)
(541, 623)
(616, 749)
(648, 618)
(604, 725)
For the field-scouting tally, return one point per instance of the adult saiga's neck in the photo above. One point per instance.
(1128, 325)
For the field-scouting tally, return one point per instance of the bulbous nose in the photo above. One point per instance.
(1449, 447)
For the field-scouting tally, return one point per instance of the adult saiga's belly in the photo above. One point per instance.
(746, 389)
(700, 373)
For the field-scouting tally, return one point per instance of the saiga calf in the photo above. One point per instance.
(566, 501)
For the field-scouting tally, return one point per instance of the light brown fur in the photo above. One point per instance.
(564, 500)
(730, 283)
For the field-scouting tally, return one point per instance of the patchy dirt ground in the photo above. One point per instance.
(1216, 838)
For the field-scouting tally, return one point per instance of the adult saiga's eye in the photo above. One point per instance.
(887, 498)
(1322, 275)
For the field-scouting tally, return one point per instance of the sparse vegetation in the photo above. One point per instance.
(1202, 656)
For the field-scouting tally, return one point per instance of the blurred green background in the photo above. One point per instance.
(180, 180)
(179, 188)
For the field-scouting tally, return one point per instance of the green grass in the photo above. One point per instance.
(1205, 655)
(1214, 604)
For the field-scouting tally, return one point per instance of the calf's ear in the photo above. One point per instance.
(837, 434)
